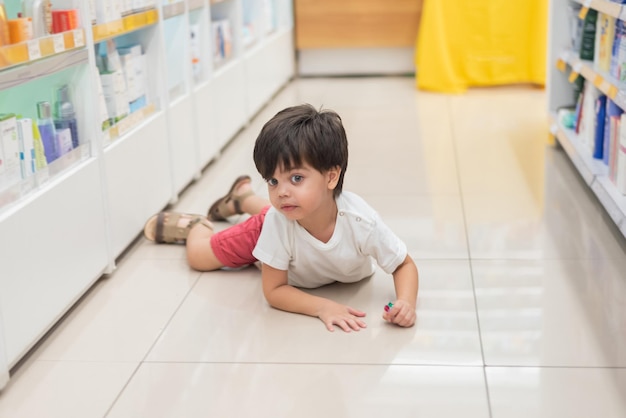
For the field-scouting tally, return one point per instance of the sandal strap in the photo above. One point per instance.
(159, 227)
(219, 210)
(238, 200)
(202, 221)
(169, 231)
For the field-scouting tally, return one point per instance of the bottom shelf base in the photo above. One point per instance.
(594, 173)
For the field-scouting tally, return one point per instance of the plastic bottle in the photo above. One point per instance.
(40, 11)
(65, 116)
(4, 25)
(47, 131)
(20, 29)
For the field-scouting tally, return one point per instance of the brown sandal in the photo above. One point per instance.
(219, 210)
(164, 227)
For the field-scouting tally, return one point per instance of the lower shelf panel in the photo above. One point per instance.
(138, 180)
(57, 251)
(595, 174)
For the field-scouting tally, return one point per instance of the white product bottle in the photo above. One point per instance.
(41, 13)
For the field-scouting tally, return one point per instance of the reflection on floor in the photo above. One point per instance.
(522, 306)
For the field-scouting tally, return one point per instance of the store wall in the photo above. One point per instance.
(356, 36)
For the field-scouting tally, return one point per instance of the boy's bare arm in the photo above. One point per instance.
(285, 297)
(406, 282)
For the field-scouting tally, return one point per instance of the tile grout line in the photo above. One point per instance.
(469, 250)
(187, 190)
(143, 360)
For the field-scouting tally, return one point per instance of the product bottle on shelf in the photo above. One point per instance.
(20, 29)
(27, 147)
(40, 152)
(40, 11)
(65, 116)
(4, 25)
(47, 131)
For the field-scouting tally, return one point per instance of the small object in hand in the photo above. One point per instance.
(388, 306)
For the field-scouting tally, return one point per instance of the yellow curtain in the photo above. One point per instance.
(464, 43)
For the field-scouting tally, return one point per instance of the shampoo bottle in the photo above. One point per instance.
(47, 131)
(65, 117)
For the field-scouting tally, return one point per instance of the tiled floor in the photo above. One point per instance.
(522, 306)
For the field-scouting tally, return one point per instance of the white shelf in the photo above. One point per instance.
(613, 201)
(605, 6)
(117, 178)
(195, 4)
(60, 249)
(174, 9)
(46, 47)
(587, 166)
(560, 93)
(16, 76)
(594, 173)
(267, 68)
(603, 81)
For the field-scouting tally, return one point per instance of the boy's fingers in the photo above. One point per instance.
(355, 312)
(353, 324)
(406, 320)
(398, 316)
(344, 326)
(357, 324)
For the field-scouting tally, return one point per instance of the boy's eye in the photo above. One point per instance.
(296, 178)
(272, 182)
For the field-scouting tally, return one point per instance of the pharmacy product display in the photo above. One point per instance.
(587, 94)
(108, 110)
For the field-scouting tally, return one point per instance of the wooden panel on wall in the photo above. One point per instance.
(356, 23)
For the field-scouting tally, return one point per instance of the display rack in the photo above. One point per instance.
(65, 226)
(564, 66)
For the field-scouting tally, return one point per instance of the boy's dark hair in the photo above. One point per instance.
(302, 134)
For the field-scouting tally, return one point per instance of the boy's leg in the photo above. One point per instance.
(231, 247)
(200, 255)
(195, 231)
(254, 204)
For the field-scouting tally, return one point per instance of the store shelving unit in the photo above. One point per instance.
(65, 226)
(563, 66)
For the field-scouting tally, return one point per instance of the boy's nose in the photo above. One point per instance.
(283, 190)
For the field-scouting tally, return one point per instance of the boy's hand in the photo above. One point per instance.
(402, 313)
(344, 317)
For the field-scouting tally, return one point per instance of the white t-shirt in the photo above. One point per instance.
(360, 239)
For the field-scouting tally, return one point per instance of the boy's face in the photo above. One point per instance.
(300, 192)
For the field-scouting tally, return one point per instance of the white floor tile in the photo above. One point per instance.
(123, 315)
(226, 319)
(433, 227)
(303, 390)
(557, 392)
(52, 389)
(552, 313)
(560, 221)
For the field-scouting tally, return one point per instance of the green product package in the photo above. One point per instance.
(587, 46)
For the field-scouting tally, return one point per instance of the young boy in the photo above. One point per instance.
(312, 234)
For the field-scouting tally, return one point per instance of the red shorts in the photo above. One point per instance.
(233, 246)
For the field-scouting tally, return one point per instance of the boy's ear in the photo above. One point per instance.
(333, 177)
